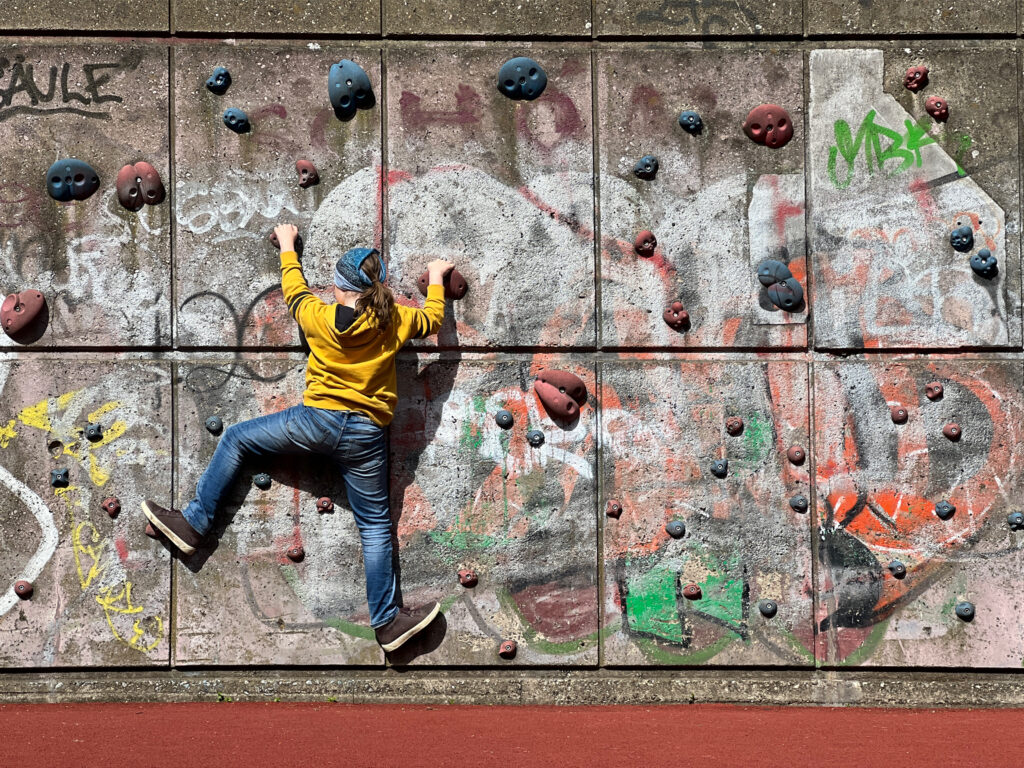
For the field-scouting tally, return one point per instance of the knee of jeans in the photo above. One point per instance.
(376, 538)
(230, 434)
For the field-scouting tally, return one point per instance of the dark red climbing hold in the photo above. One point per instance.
(769, 124)
(111, 505)
(296, 553)
(952, 431)
(522, 78)
(898, 413)
(645, 243)
(677, 318)
(324, 504)
(734, 425)
(915, 78)
(23, 589)
(139, 184)
(507, 649)
(937, 107)
(272, 237)
(561, 392)
(467, 579)
(566, 383)
(985, 264)
(691, 591)
(308, 175)
(646, 167)
(71, 179)
(19, 310)
(455, 285)
(933, 390)
(796, 454)
(613, 509)
(219, 81)
(349, 88)
(151, 531)
(236, 120)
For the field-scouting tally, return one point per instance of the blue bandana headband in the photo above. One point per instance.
(348, 273)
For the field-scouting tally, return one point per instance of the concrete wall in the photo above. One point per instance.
(161, 318)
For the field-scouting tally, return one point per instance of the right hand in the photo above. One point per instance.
(437, 270)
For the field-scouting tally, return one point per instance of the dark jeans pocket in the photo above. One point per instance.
(306, 430)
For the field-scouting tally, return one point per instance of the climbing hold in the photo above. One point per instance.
(219, 81)
(915, 78)
(503, 418)
(214, 425)
(734, 425)
(59, 478)
(1015, 520)
(646, 167)
(111, 505)
(308, 175)
(272, 237)
(507, 649)
(566, 383)
(19, 310)
(236, 120)
(965, 610)
(71, 179)
(349, 88)
(522, 78)
(796, 454)
(262, 481)
(770, 272)
(296, 553)
(645, 243)
(23, 589)
(691, 591)
(151, 531)
(720, 467)
(933, 390)
(769, 124)
(898, 413)
(535, 438)
(786, 294)
(677, 318)
(614, 509)
(944, 510)
(937, 108)
(325, 504)
(455, 285)
(985, 264)
(962, 239)
(93, 432)
(768, 608)
(561, 392)
(467, 579)
(952, 431)
(676, 529)
(799, 503)
(138, 185)
(897, 569)
(690, 122)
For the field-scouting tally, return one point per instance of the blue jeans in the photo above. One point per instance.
(355, 445)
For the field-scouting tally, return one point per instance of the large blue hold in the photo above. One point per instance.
(236, 120)
(349, 88)
(522, 78)
(71, 180)
(962, 239)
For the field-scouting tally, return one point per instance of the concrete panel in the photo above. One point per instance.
(930, 17)
(239, 599)
(105, 271)
(513, 18)
(233, 188)
(503, 188)
(889, 184)
(878, 484)
(76, 15)
(698, 17)
(719, 205)
(467, 494)
(349, 17)
(662, 425)
(101, 587)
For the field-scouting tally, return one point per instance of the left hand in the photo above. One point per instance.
(286, 234)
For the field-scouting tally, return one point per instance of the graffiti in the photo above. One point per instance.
(710, 16)
(224, 209)
(467, 109)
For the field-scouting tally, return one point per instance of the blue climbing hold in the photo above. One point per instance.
(93, 432)
(985, 264)
(349, 88)
(646, 167)
(720, 467)
(770, 272)
(786, 294)
(897, 569)
(219, 81)
(71, 179)
(962, 239)
(236, 120)
(768, 608)
(676, 529)
(522, 78)
(1015, 520)
(944, 510)
(214, 425)
(965, 610)
(503, 418)
(59, 478)
(535, 438)
(799, 503)
(691, 122)
(262, 481)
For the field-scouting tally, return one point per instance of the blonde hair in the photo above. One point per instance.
(378, 298)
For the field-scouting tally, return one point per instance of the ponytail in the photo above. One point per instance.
(378, 298)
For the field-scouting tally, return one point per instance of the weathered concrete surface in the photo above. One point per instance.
(510, 18)
(232, 189)
(105, 271)
(349, 17)
(82, 15)
(698, 17)
(886, 192)
(878, 483)
(929, 17)
(467, 494)
(662, 425)
(720, 203)
(503, 188)
(239, 599)
(101, 587)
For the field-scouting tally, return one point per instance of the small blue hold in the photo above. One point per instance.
(59, 478)
(965, 610)
(962, 239)
(1015, 520)
(646, 167)
(690, 122)
(262, 481)
(214, 425)
(897, 569)
(985, 264)
(503, 418)
(71, 179)
(799, 503)
(768, 608)
(676, 529)
(219, 81)
(236, 120)
(522, 78)
(350, 89)
(720, 467)
(944, 510)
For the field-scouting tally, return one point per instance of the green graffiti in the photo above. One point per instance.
(757, 438)
(662, 655)
(651, 605)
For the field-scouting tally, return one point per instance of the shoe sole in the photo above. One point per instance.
(175, 539)
(401, 639)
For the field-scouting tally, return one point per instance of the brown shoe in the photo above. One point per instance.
(174, 526)
(407, 623)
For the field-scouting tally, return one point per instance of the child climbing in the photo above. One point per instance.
(349, 399)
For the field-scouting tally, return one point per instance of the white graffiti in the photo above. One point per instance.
(47, 545)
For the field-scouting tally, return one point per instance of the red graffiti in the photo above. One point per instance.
(467, 109)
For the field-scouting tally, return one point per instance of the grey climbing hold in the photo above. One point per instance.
(965, 610)
(720, 467)
(503, 418)
(93, 432)
(897, 569)
(535, 437)
(262, 481)
(690, 122)
(944, 510)
(799, 503)
(214, 425)
(219, 81)
(522, 78)
(770, 272)
(646, 167)
(962, 239)
(786, 294)
(71, 179)
(349, 88)
(236, 120)
(676, 529)
(59, 478)
(985, 264)
(1015, 520)
(768, 608)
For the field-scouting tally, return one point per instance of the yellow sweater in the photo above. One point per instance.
(354, 369)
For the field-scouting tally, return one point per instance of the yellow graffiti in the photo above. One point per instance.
(110, 604)
(96, 553)
(7, 433)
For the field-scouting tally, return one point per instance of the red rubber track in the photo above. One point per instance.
(234, 734)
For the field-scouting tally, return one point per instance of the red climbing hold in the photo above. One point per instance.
(645, 243)
(691, 591)
(19, 310)
(455, 285)
(676, 317)
(937, 107)
(295, 554)
(151, 531)
(561, 392)
(111, 506)
(139, 185)
(23, 589)
(796, 454)
(507, 649)
(567, 383)
(898, 413)
(467, 579)
(769, 124)
(308, 175)
(933, 390)
(325, 504)
(952, 431)
(614, 509)
(915, 78)
(734, 425)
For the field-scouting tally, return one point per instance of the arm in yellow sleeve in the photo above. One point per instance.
(432, 314)
(300, 300)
